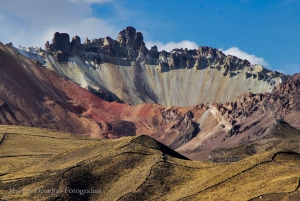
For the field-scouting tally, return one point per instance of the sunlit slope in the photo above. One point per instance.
(133, 168)
(138, 82)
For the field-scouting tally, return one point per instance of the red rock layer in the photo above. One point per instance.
(32, 95)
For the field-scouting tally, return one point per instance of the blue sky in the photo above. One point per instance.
(264, 32)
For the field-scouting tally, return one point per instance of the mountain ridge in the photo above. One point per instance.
(126, 71)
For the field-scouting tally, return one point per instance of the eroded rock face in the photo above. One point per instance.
(279, 104)
(134, 74)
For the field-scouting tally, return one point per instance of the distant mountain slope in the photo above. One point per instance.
(125, 70)
(33, 95)
(249, 118)
(58, 166)
(281, 136)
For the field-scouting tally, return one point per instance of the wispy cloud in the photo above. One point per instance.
(235, 51)
(33, 22)
(172, 45)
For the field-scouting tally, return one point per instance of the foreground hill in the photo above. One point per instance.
(38, 164)
(125, 70)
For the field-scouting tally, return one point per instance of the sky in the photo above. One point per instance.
(261, 31)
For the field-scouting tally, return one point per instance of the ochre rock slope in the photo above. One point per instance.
(37, 164)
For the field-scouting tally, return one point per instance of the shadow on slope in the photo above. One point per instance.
(281, 137)
(38, 164)
(149, 142)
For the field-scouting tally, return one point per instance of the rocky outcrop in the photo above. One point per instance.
(60, 41)
(279, 104)
(124, 70)
(109, 65)
(129, 38)
(75, 43)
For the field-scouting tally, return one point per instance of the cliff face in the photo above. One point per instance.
(125, 70)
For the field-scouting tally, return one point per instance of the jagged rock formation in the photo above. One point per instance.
(249, 118)
(126, 71)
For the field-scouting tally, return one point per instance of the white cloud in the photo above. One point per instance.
(33, 22)
(84, 28)
(244, 55)
(172, 45)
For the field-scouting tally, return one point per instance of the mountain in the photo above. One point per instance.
(45, 88)
(79, 168)
(32, 95)
(140, 124)
(126, 71)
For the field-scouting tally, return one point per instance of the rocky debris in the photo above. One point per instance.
(182, 125)
(186, 127)
(278, 104)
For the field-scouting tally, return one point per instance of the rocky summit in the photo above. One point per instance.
(125, 70)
